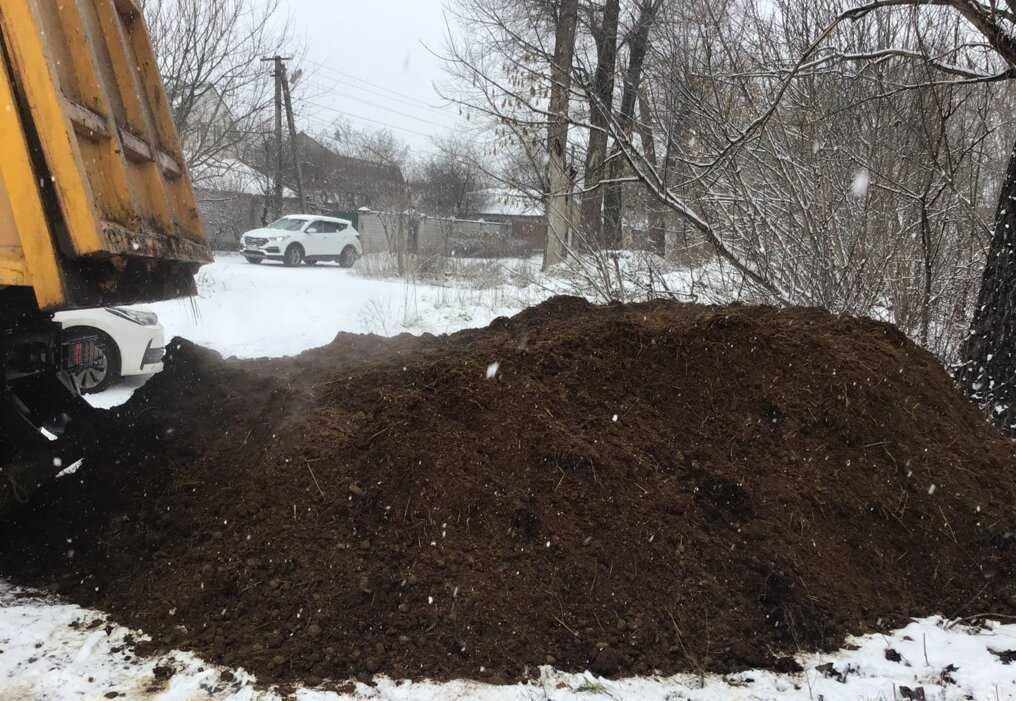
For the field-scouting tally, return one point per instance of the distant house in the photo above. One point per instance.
(233, 175)
(237, 195)
(341, 183)
(503, 205)
(525, 213)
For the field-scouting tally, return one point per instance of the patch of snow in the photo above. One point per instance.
(70, 470)
(119, 394)
(269, 310)
(52, 650)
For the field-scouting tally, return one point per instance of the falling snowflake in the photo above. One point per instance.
(492, 370)
(861, 181)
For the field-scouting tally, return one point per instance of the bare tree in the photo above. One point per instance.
(979, 52)
(210, 54)
(638, 42)
(829, 153)
(559, 215)
(446, 178)
(378, 146)
(604, 28)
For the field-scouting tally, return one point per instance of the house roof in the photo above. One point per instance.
(313, 151)
(233, 175)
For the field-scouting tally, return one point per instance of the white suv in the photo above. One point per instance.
(304, 238)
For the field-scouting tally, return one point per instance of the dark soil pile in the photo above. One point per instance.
(655, 487)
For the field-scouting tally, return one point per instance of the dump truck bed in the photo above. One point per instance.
(96, 206)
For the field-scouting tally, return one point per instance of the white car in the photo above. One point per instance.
(130, 342)
(304, 238)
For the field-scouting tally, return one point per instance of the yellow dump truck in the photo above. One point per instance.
(96, 205)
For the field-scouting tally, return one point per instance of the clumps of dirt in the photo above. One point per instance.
(653, 487)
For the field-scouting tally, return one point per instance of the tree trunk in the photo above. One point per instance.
(928, 269)
(559, 198)
(601, 104)
(989, 353)
(613, 204)
(655, 214)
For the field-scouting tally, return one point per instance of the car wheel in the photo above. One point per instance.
(107, 369)
(254, 260)
(349, 257)
(294, 255)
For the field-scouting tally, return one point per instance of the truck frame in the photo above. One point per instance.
(96, 204)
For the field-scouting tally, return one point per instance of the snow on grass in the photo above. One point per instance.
(248, 311)
(270, 311)
(52, 650)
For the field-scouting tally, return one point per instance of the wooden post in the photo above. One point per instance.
(278, 137)
(294, 147)
(279, 75)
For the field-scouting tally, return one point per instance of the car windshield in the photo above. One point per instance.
(287, 224)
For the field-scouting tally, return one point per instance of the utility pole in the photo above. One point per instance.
(294, 146)
(283, 97)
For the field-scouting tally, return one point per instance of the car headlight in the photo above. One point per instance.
(135, 316)
(277, 239)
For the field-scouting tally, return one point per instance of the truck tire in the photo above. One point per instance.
(294, 255)
(102, 377)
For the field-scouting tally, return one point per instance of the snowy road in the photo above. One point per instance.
(52, 650)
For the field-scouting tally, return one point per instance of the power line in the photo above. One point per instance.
(369, 119)
(336, 82)
(387, 109)
(343, 76)
(333, 88)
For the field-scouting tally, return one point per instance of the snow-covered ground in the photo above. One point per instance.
(270, 311)
(251, 311)
(53, 650)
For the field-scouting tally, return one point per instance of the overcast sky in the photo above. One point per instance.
(367, 63)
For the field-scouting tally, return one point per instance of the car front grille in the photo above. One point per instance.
(256, 242)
